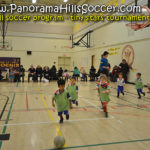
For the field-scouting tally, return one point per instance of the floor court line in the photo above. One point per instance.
(51, 122)
(50, 114)
(27, 103)
(105, 144)
(8, 116)
(84, 99)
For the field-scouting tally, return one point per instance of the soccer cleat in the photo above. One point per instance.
(122, 93)
(139, 97)
(67, 117)
(106, 114)
(143, 93)
(61, 120)
(77, 103)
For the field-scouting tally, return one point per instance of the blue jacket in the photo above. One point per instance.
(103, 63)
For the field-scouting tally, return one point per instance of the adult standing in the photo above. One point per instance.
(124, 69)
(76, 73)
(104, 65)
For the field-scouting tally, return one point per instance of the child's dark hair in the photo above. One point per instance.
(120, 74)
(139, 74)
(73, 77)
(61, 82)
(105, 53)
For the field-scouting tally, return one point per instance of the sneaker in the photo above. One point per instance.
(143, 93)
(77, 103)
(61, 120)
(106, 114)
(67, 117)
(139, 97)
(123, 93)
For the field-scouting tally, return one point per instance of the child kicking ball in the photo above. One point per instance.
(139, 85)
(104, 90)
(62, 100)
(120, 85)
(73, 90)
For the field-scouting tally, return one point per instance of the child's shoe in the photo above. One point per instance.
(77, 103)
(61, 120)
(106, 114)
(67, 117)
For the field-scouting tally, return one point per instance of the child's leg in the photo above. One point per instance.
(141, 91)
(122, 90)
(118, 91)
(105, 108)
(67, 114)
(138, 91)
(61, 117)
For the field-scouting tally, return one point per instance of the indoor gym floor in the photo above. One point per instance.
(33, 124)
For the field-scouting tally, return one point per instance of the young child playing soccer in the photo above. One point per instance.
(139, 85)
(73, 90)
(120, 85)
(62, 100)
(104, 90)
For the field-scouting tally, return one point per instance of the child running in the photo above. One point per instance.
(120, 85)
(104, 90)
(139, 85)
(73, 90)
(62, 100)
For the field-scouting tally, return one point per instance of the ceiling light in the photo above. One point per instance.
(33, 1)
(65, 1)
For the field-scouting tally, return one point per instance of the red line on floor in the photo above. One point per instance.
(27, 104)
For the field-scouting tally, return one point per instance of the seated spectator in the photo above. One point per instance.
(66, 75)
(1, 77)
(21, 73)
(124, 69)
(83, 74)
(53, 74)
(11, 74)
(46, 73)
(115, 72)
(16, 75)
(60, 72)
(76, 73)
(39, 73)
(31, 73)
(92, 73)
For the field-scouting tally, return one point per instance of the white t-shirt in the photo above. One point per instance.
(120, 82)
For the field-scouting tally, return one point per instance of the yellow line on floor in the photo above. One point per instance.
(50, 114)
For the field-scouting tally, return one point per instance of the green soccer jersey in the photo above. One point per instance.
(139, 83)
(62, 100)
(73, 90)
(104, 96)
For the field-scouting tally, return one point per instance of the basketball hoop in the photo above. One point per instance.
(136, 25)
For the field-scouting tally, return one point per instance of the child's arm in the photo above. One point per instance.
(70, 103)
(77, 89)
(70, 100)
(53, 102)
(107, 91)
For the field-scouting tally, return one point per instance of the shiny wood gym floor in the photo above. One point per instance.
(33, 124)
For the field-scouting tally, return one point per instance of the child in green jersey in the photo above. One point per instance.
(104, 90)
(139, 85)
(73, 91)
(62, 100)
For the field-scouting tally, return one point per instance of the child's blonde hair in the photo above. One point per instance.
(105, 78)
